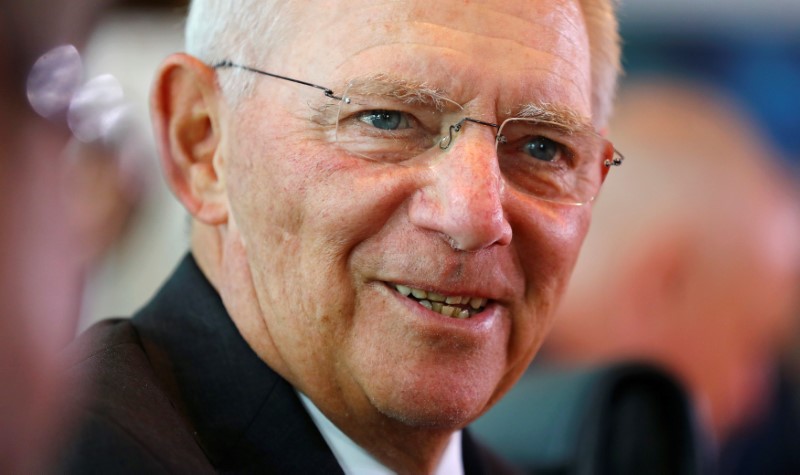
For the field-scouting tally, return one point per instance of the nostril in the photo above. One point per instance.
(482, 237)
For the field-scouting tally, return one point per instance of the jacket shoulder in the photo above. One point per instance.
(126, 422)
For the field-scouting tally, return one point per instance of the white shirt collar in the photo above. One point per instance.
(356, 461)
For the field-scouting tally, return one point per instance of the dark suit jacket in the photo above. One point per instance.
(177, 390)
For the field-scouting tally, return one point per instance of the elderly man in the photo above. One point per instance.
(388, 199)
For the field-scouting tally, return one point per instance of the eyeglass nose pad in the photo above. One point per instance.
(447, 140)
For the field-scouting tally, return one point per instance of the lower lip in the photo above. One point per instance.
(475, 323)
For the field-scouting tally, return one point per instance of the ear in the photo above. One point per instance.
(186, 104)
(608, 157)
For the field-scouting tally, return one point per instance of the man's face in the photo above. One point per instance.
(319, 239)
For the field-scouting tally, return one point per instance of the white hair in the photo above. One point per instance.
(241, 31)
(604, 41)
(219, 30)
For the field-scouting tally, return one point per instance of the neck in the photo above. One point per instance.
(400, 447)
(205, 245)
(356, 457)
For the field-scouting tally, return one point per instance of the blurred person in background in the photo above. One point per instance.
(693, 263)
(41, 271)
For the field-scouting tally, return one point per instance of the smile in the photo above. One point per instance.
(454, 306)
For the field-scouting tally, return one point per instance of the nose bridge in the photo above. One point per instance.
(471, 152)
(454, 130)
(464, 199)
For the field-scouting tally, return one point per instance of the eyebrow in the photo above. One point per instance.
(420, 92)
(563, 117)
(408, 91)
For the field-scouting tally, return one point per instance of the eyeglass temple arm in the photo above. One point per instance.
(231, 64)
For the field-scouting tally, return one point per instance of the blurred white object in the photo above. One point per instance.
(54, 79)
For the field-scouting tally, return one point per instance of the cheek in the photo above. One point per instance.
(271, 181)
(272, 200)
(553, 240)
(301, 210)
(549, 244)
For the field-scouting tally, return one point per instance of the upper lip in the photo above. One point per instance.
(466, 289)
(488, 275)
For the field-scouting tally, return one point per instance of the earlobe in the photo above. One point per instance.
(186, 109)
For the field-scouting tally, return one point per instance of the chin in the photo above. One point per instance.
(431, 413)
(447, 401)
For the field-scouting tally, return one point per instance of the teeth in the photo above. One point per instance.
(450, 306)
(420, 294)
(477, 303)
(434, 297)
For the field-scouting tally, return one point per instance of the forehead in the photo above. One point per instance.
(514, 51)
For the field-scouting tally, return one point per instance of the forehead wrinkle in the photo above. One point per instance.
(405, 17)
(563, 26)
(539, 48)
(441, 93)
(562, 12)
(482, 36)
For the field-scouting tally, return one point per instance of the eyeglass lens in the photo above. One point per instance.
(537, 157)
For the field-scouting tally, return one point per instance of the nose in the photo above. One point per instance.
(463, 198)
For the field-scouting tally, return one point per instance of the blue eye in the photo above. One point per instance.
(542, 148)
(385, 119)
